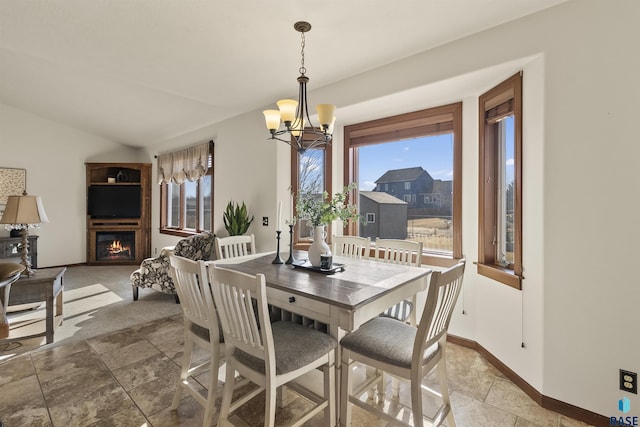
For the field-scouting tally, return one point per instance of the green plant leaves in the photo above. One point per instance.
(236, 219)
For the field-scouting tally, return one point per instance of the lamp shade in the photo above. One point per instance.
(325, 114)
(272, 119)
(287, 109)
(24, 210)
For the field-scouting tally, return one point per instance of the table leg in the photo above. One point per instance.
(59, 305)
(49, 319)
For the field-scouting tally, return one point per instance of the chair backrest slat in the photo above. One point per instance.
(242, 307)
(444, 288)
(235, 246)
(194, 293)
(406, 252)
(351, 246)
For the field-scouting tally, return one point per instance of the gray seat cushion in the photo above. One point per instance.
(204, 332)
(386, 340)
(295, 346)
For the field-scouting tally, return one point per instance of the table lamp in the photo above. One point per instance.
(20, 213)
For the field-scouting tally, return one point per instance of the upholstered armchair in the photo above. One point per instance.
(154, 272)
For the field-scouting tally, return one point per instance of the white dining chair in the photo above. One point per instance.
(267, 354)
(351, 246)
(405, 252)
(406, 352)
(235, 246)
(201, 329)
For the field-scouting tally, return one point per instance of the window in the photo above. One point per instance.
(500, 204)
(310, 173)
(371, 218)
(186, 205)
(420, 152)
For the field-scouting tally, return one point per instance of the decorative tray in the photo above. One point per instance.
(304, 263)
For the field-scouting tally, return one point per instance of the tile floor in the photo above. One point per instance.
(128, 377)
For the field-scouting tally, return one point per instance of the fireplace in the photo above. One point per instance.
(115, 245)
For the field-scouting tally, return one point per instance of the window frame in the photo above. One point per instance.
(427, 122)
(500, 101)
(181, 230)
(295, 186)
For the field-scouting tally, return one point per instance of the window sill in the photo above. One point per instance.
(500, 274)
(178, 232)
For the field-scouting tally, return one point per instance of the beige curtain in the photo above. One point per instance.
(191, 163)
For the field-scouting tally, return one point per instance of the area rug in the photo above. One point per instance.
(97, 300)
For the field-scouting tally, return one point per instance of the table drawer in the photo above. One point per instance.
(299, 304)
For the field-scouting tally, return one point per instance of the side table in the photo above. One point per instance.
(46, 284)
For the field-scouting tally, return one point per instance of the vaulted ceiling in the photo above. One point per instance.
(142, 71)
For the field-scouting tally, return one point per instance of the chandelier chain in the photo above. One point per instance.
(302, 69)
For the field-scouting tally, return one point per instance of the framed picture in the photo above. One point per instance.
(13, 182)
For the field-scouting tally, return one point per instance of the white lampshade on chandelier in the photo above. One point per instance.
(294, 115)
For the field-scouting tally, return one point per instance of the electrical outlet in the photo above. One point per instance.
(629, 381)
(265, 221)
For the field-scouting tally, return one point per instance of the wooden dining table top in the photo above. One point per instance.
(359, 283)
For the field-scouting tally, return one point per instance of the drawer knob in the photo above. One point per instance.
(292, 299)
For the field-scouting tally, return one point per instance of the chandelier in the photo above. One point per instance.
(298, 130)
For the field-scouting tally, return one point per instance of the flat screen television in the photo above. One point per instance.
(114, 201)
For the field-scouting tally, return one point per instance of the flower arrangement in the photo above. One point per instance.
(321, 211)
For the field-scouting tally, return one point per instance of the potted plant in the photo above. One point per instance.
(236, 219)
(320, 211)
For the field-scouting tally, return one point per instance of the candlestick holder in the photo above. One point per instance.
(291, 259)
(277, 259)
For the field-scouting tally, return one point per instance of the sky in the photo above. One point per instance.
(433, 153)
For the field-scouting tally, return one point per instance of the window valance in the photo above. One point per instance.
(190, 163)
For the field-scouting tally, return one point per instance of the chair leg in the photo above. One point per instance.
(345, 389)
(395, 387)
(330, 394)
(226, 395)
(270, 404)
(416, 401)
(210, 410)
(184, 371)
(444, 389)
(135, 293)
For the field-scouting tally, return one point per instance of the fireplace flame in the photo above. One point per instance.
(116, 247)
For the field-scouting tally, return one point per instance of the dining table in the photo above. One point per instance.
(353, 292)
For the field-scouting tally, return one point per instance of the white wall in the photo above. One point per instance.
(576, 313)
(54, 156)
(246, 167)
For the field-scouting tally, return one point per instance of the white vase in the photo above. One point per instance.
(318, 246)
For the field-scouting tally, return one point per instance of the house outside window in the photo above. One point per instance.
(186, 191)
(500, 204)
(428, 145)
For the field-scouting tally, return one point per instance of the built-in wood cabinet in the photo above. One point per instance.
(118, 213)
